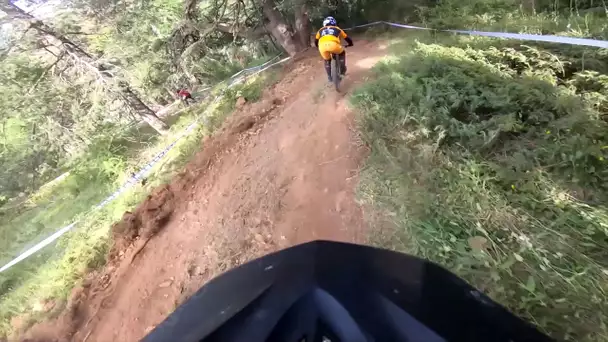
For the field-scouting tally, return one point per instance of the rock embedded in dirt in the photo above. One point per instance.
(165, 283)
(240, 102)
(259, 238)
(43, 306)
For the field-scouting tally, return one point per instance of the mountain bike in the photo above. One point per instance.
(336, 72)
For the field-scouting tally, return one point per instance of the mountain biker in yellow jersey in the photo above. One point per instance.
(328, 42)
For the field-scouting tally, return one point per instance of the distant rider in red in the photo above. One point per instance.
(184, 95)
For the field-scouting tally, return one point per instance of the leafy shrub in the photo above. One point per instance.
(565, 18)
(492, 162)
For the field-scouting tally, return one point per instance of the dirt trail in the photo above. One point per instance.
(282, 171)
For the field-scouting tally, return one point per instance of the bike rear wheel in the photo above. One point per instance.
(335, 72)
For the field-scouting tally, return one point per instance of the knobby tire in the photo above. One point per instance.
(335, 72)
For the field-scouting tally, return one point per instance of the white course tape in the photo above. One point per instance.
(38, 246)
(365, 25)
(146, 169)
(538, 38)
(520, 36)
(259, 71)
(251, 69)
(407, 26)
(237, 78)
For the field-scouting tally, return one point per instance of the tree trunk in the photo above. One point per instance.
(529, 6)
(140, 108)
(135, 104)
(302, 24)
(280, 30)
(291, 40)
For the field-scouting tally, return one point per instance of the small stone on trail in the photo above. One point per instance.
(240, 102)
(259, 238)
(165, 284)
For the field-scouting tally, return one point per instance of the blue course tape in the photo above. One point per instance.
(237, 78)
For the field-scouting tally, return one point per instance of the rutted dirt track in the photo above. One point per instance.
(280, 172)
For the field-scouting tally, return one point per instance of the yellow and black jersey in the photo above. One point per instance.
(331, 33)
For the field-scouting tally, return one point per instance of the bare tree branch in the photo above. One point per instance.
(81, 33)
(49, 51)
(46, 70)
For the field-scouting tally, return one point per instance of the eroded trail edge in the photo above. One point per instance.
(280, 172)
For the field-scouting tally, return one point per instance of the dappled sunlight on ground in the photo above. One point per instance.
(368, 63)
(383, 46)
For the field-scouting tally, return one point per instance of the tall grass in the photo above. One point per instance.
(489, 157)
(92, 178)
(573, 18)
(39, 286)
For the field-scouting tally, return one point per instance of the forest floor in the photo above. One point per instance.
(280, 171)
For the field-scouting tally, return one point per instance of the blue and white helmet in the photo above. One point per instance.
(330, 21)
